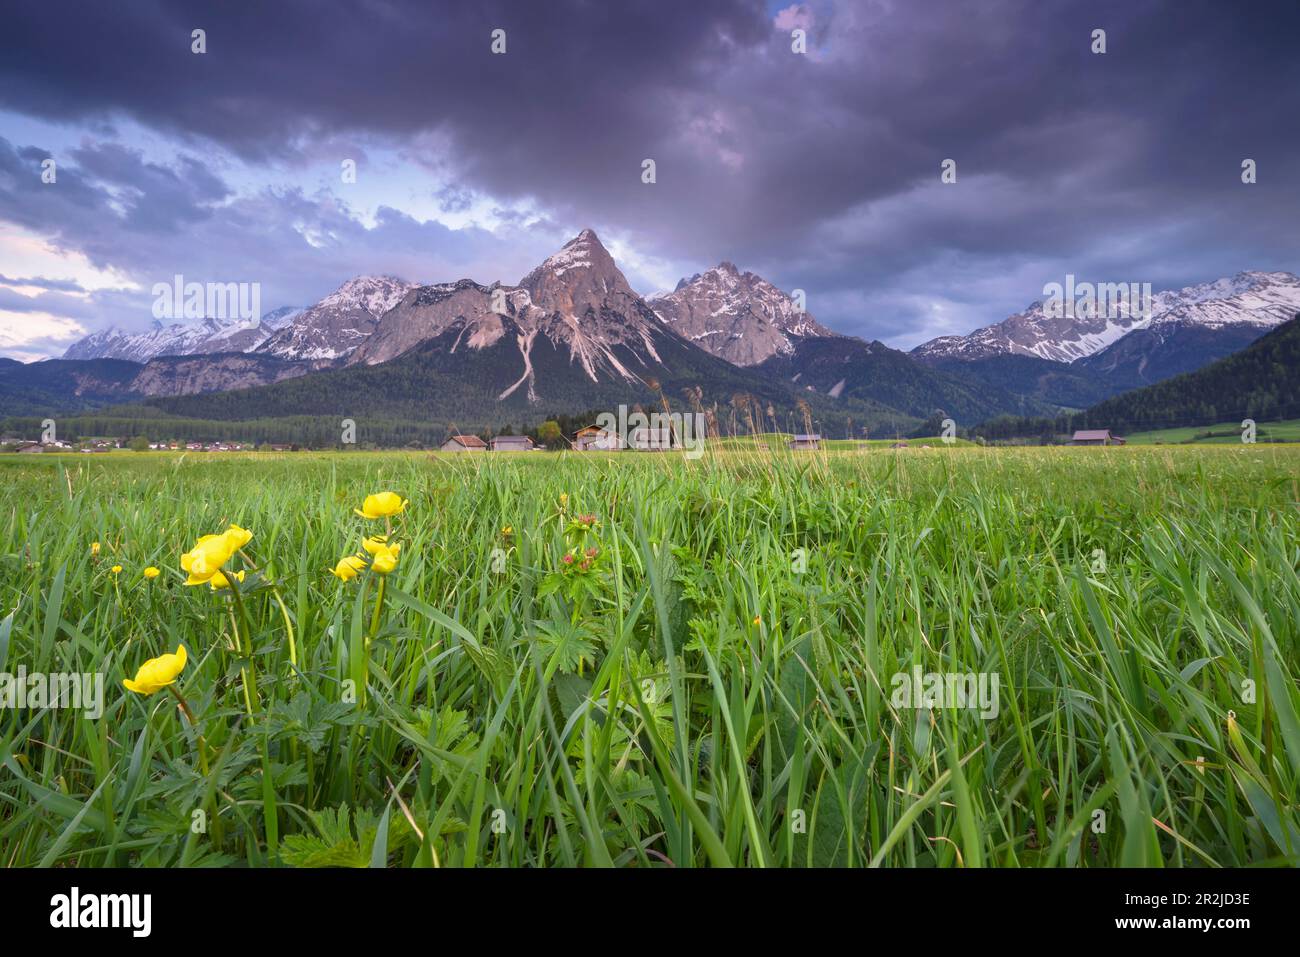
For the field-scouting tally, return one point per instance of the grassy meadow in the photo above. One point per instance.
(1225, 433)
(646, 661)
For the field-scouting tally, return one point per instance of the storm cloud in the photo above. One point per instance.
(820, 170)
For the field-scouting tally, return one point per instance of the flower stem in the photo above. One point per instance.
(189, 715)
(245, 643)
(288, 623)
(379, 608)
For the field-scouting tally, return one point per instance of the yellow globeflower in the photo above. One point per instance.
(237, 537)
(157, 673)
(375, 544)
(206, 558)
(385, 560)
(219, 580)
(381, 505)
(151, 572)
(116, 569)
(94, 549)
(348, 567)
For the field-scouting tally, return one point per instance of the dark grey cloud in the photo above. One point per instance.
(820, 171)
(40, 282)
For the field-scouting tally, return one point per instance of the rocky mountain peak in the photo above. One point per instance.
(738, 316)
(580, 276)
(339, 323)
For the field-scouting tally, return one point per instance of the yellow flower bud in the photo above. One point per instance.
(385, 560)
(157, 673)
(348, 566)
(381, 505)
(219, 580)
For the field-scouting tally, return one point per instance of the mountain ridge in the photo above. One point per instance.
(1248, 299)
(572, 335)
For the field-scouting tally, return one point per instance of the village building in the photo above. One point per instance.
(463, 443)
(512, 443)
(595, 439)
(1096, 437)
(805, 443)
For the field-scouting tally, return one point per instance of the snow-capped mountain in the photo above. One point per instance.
(1264, 299)
(177, 339)
(576, 304)
(574, 333)
(571, 336)
(339, 323)
(1248, 301)
(736, 315)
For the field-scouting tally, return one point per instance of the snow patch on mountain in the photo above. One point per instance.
(337, 325)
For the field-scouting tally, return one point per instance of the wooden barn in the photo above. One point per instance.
(463, 443)
(1096, 437)
(512, 443)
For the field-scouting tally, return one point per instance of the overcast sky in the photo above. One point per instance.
(819, 170)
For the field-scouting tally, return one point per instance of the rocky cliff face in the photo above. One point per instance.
(189, 375)
(736, 315)
(576, 302)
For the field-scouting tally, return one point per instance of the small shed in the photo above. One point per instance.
(805, 443)
(1096, 437)
(464, 443)
(512, 443)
